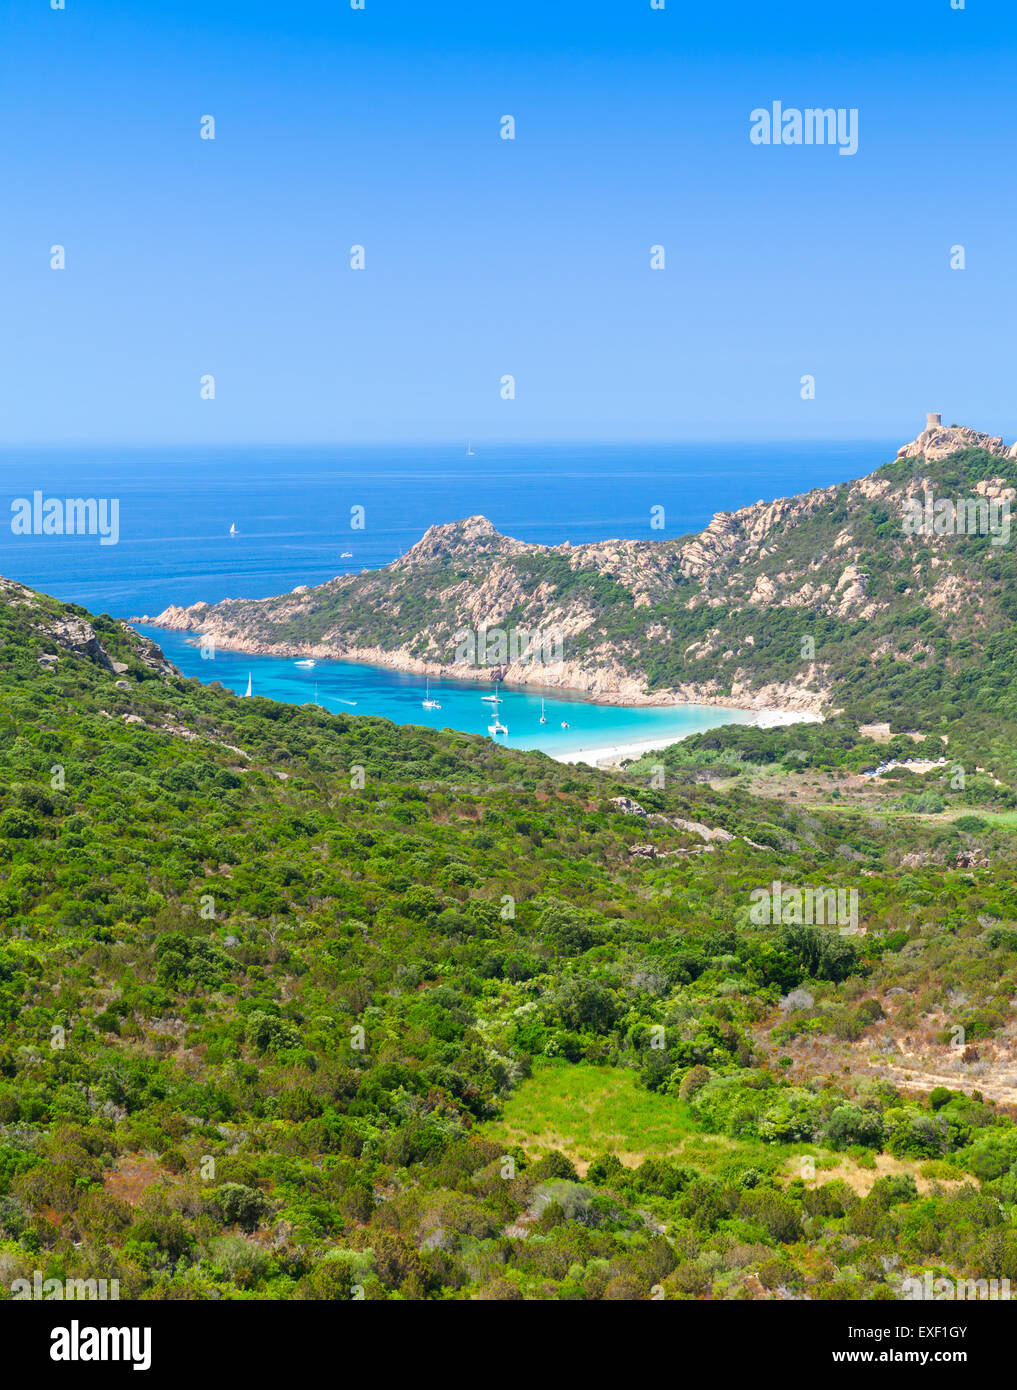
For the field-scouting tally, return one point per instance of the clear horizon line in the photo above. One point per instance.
(535, 441)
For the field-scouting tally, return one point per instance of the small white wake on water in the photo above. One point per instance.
(573, 730)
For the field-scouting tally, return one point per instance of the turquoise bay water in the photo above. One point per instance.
(346, 687)
(291, 508)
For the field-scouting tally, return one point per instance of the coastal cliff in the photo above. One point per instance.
(796, 603)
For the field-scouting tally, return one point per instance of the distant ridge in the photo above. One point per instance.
(808, 602)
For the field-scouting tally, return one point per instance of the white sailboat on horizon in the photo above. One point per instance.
(233, 529)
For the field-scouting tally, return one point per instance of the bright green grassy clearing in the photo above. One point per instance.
(585, 1111)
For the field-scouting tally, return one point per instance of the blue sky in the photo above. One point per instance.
(488, 257)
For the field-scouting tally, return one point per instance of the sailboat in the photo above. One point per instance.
(427, 702)
(233, 529)
(247, 692)
(543, 716)
(497, 727)
(469, 450)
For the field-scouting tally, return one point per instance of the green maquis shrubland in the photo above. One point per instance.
(305, 1006)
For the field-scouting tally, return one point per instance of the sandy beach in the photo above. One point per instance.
(611, 755)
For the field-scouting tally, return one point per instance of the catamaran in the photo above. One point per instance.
(497, 727)
(427, 702)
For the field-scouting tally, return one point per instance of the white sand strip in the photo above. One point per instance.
(608, 754)
(777, 718)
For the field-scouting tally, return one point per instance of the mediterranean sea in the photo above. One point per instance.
(291, 510)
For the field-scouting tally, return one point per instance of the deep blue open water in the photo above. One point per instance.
(292, 509)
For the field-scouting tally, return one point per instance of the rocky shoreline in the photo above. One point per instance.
(605, 685)
(689, 614)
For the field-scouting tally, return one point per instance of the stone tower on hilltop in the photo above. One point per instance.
(939, 442)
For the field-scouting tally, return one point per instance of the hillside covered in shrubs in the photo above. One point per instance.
(276, 987)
